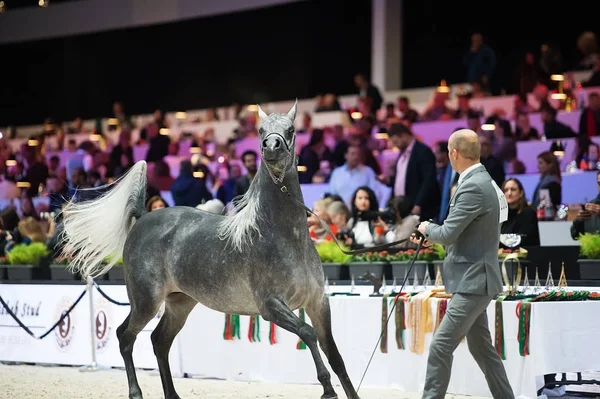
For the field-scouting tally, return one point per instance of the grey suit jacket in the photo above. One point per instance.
(471, 235)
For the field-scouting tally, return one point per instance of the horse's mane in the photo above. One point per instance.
(238, 229)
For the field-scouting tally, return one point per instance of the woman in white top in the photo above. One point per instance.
(363, 229)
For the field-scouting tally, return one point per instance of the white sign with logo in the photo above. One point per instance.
(39, 307)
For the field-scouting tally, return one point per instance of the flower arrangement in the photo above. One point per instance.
(370, 257)
(430, 254)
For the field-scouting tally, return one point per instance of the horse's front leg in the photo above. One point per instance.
(276, 311)
(320, 316)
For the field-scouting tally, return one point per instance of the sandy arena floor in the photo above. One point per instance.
(36, 382)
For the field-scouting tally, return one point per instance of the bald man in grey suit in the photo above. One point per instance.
(470, 234)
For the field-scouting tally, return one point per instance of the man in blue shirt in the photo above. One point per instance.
(346, 179)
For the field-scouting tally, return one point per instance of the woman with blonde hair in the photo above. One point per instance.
(317, 232)
(28, 231)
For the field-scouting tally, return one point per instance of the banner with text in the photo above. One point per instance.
(39, 307)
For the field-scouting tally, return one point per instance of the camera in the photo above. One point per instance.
(387, 215)
(342, 235)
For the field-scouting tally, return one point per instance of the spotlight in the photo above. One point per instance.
(1, 6)
(43, 3)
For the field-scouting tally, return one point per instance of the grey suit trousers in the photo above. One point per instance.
(466, 316)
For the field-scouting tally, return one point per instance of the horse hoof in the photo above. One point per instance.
(331, 396)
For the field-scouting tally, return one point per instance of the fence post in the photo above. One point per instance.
(94, 366)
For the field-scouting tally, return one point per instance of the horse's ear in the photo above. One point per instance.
(292, 113)
(262, 113)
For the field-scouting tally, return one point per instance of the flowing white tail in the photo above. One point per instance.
(95, 231)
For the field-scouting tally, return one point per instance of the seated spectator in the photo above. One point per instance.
(156, 202)
(28, 231)
(522, 218)
(317, 232)
(504, 145)
(524, 131)
(347, 178)
(161, 177)
(8, 189)
(405, 223)
(58, 193)
(550, 179)
(27, 207)
(312, 155)
(553, 129)
(364, 231)
(588, 218)
(339, 214)
(188, 190)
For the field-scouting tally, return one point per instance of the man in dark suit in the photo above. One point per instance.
(414, 174)
(367, 89)
(446, 176)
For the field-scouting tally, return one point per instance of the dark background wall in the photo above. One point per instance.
(270, 54)
(437, 34)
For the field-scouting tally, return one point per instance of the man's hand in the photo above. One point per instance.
(592, 208)
(422, 227)
(416, 241)
(584, 215)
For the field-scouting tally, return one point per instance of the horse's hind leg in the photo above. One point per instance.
(320, 316)
(142, 311)
(276, 311)
(177, 308)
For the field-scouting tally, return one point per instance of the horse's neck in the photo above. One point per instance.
(278, 206)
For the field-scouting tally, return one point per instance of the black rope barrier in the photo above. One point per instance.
(44, 335)
(109, 299)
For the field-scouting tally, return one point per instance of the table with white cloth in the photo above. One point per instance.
(562, 338)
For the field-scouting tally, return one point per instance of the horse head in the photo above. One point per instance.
(278, 142)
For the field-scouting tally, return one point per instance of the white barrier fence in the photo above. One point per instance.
(72, 342)
(201, 350)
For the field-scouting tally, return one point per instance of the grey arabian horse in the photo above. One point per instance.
(260, 261)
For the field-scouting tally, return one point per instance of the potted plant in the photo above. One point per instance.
(369, 262)
(589, 265)
(333, 260)
(24, 261)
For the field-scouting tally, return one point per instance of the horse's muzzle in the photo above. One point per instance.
(272, 148)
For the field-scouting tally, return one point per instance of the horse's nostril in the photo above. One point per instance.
(264, 143)
(277, 143)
